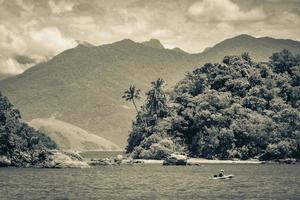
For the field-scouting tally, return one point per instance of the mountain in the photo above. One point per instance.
(83, 85)
(3, 76)
(178, 50)
(154, 43)
(70, 137)
(260, 49)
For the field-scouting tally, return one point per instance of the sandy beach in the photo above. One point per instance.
(198, 161)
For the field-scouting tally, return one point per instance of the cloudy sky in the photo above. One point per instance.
(35, 30)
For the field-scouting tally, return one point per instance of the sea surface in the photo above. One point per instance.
(153, 181)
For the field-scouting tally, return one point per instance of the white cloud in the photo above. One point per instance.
(35, 43)
(223, 10)
(10, 42)
(61, 6)
(51, 41)
(42, 29)
(10, 66)
(161, 33)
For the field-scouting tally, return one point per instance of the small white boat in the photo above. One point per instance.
(230, 176)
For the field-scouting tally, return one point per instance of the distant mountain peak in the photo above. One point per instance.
(244, 36)
(84, 43)
(154, 43)
(125, 42)
(179, 50)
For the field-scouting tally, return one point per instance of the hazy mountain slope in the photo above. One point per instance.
(3, 76)
(83, 86)
(260, 49)
(68, 136)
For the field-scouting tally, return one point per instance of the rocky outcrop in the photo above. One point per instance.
(175, 159)
(59, 159)
(4, 161)
(119, 160)
(287, 161)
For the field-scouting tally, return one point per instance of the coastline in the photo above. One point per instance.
(198, 161)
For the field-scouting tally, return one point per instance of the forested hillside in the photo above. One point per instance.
(234, 109)
(20, 145)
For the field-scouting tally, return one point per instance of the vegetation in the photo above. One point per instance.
(131, 94)
(234, 109)
(20, 144)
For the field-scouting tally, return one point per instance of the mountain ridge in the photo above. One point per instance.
(84, 84)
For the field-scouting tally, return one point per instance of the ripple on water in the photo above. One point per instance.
(152, 182)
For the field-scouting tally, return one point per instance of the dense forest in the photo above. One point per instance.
(20, 145)
(234, 109)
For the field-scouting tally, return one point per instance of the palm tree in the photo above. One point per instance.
(156, 98)
(131, 94)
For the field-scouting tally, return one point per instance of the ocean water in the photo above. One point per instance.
(271, 181)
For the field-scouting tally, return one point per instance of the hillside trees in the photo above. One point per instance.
(21, 144)
(234, 109)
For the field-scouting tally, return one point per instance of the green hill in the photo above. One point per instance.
(20, 145)
(234, 109)
(70, 137)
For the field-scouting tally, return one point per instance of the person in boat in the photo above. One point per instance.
(221, 174)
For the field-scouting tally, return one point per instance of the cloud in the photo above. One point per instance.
(11, 66)
(61, 6)
(41, 29)
(22, 50)
(223, 10)
(51, 41)
(11, 42)
(24, 59)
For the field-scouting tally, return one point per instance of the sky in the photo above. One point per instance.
(32, 31)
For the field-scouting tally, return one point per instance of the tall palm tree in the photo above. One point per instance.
(156, 98)
(131, 94)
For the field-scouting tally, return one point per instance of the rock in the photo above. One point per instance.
(288, 161)
(175, 159)
(101, 162)
(119, 160)
(64, 160)
(119, 157)
(4, 161)
(126, 162)
(74, 155)
(138, 161)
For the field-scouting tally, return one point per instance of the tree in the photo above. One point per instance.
(283, 61)
(246, 57)
(21, 144)
(156, 103)
(235, 109)
(131, 94)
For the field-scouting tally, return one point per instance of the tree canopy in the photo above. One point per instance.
(233, 109)
(21, 144)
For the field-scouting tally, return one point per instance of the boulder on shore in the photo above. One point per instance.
(52, 159)
(287, 161)
(119, 160)
(175, 159)
(4, 161)
(60, 159)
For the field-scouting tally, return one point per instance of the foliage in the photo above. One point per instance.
(131, 94)
(235, 109)
(18, 142)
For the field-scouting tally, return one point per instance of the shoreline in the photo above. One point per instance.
(198, 161)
